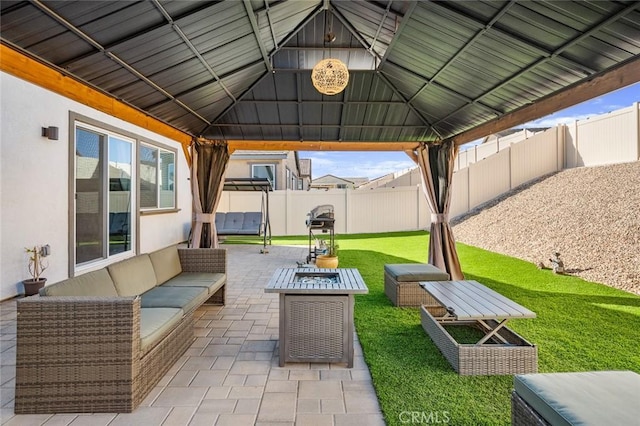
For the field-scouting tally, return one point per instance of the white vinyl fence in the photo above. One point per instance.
(488, 172)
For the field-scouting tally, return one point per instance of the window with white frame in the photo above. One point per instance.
(157, 177)
(262, 171)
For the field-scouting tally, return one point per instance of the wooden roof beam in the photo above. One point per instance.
(260, 145)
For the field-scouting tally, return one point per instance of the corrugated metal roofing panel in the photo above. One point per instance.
(367, 86)
(226, 59)
(154, 51)
(372, 24)
(108, 75)
(27, 26)
(205, 96)
(107, 22)
(242, 80)
(408, 84)
(140, 94)
(217, 25)
(184, 77)
(284, 18)
(288, 113)
(177, 116)
(177, 8)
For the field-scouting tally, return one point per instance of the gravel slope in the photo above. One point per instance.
(591, 215)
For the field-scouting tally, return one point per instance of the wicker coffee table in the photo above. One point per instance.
(316, 313)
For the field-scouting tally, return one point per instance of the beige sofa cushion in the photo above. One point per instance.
(155, 323)
(133, 276)
(166, 263)
(185, 298)
(96, 283)
(211, 280)
(412, 272)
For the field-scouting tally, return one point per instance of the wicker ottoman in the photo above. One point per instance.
(401, 283)
(588, 398)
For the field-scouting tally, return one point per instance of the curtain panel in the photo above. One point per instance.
(436, 166)
(209, 161)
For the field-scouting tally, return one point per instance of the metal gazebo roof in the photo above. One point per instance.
(420, 70)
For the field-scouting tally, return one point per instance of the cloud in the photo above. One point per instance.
(554, 121)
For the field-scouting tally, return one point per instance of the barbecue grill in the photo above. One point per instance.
(320, 218)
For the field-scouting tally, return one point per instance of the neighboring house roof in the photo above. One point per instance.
(357, 181)
(381, 180)
(330, 179)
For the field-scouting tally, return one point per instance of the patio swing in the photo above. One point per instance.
(247, 223)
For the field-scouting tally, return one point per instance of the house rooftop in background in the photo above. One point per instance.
(335, 182)
(282, 168)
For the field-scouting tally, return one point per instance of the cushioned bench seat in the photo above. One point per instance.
(212, 280)
(155, 323)
(239, 223)
(185, 298)
(588, 398)
(401, 283)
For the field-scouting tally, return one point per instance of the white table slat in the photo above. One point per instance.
(479, 303)
(499, 300)
(471, 300)
(349, 281)
(456, 299)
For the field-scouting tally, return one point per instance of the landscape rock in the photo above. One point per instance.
(590, 215)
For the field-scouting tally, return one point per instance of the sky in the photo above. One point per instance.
(347, 164)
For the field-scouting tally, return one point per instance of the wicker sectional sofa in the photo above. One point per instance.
(100, 342)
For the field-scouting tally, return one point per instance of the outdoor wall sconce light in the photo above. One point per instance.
(50, 132)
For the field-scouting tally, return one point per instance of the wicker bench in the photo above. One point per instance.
(98, 343)
(586, 398)
(401, 283)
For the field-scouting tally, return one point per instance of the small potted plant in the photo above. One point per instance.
(37, 266)
(330, 259)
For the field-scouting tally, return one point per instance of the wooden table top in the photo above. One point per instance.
(470, 300)
(300, 280)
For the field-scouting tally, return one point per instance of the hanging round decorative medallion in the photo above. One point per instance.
(330, 76)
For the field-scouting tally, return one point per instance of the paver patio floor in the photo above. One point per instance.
(230, 375)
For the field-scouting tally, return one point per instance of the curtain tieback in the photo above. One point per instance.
(438, 218)
(205, 217)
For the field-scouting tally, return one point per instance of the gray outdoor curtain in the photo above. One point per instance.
(436, 167)
(209, 161)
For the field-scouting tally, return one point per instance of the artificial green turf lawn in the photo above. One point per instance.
(580, 326)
